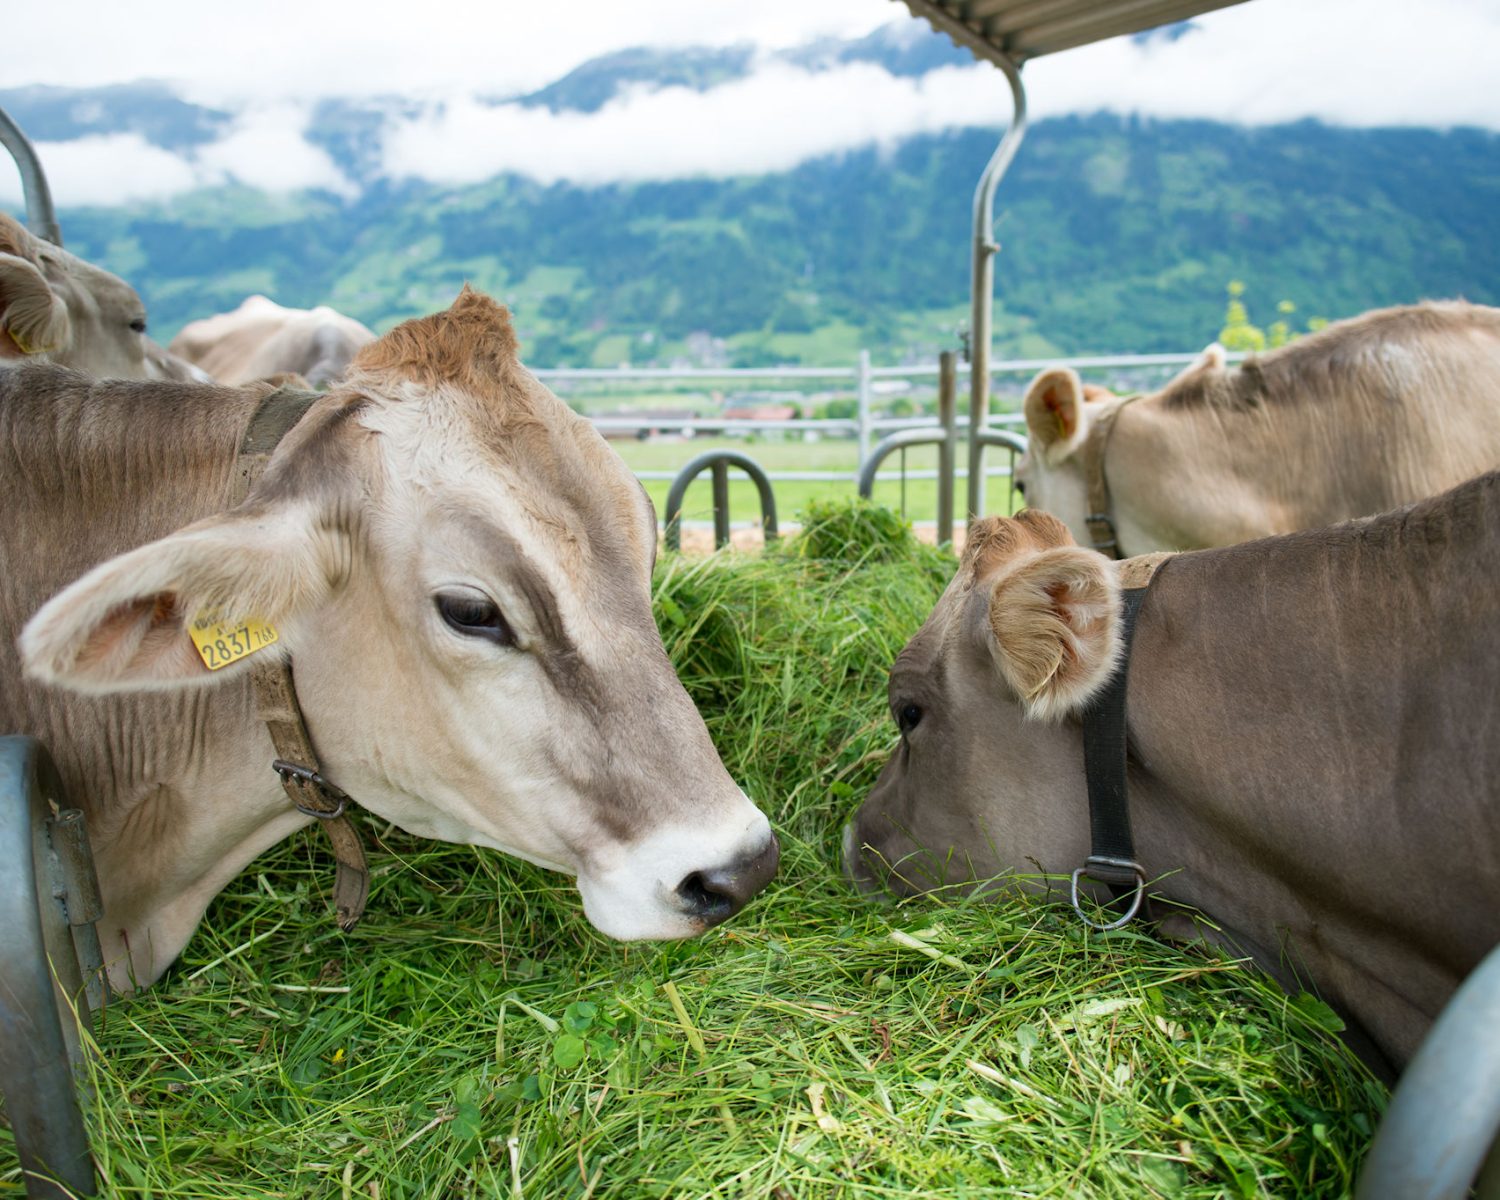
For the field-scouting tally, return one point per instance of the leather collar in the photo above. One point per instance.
(1100, 523)
(296, 762)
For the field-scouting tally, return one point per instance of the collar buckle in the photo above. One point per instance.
(291, 772)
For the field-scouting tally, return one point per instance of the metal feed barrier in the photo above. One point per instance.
(1439, 1136)
(50, 970)
(719, 462)
(40, 214)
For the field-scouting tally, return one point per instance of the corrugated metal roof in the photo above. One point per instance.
(1022, 29)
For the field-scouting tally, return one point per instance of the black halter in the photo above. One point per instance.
(1112, 859)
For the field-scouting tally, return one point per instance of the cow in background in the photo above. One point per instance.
(261, 339)
(1364, 416)
(54, 307)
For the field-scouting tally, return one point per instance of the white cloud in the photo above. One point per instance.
(1341, 61)
(280, 49)
(1352, 62)
(266, 150)
(113, 169)
(772, 120)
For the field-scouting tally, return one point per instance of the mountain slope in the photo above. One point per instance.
(1117, 235)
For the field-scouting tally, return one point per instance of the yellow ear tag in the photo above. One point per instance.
(221, 643)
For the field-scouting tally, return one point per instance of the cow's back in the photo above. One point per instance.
(1362, 417)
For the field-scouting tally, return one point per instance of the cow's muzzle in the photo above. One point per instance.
(716, 895)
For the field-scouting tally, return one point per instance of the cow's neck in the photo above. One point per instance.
(1201, 476)
(165, 836)
(1291, 703)
(88, 470)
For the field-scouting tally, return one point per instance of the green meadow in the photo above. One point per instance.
(474, 1037)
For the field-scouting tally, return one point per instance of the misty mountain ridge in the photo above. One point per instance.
(1118, 234)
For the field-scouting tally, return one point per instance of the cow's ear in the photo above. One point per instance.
(125, 625)
(33, 318)
(1056, 418)
(1054, 628)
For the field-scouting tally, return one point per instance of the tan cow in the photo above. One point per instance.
(54, 307)
(1311, 727)
(460, 569)
(1362, 417)
(260, 339)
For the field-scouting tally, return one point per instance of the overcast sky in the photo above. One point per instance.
(1354, 62)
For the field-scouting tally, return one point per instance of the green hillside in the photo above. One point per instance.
(1117, 234)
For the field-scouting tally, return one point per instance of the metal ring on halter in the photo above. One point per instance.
(1138, 893)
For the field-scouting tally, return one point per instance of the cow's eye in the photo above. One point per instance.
(1020, 488)
(139, 325)
(908, 717)
(475, 616)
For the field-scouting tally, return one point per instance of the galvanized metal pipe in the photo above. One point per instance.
(36, 1066)
(41, 216)
(982, 279)
(948, 447)
(1445, 1115)
(719, 461)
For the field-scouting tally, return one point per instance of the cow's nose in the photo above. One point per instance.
(716, 895)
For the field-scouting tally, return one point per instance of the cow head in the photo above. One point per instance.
(57, 307)
(987, 777)
(1059, 408)
(460, 568)
(1060, 411)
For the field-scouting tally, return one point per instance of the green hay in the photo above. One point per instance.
(474, 1037)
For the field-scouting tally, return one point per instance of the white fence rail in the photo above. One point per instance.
(861, 379)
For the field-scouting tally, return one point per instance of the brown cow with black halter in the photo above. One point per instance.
(460, 568)
(1311, 720)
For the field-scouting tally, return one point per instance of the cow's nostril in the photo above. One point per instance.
(717, 894)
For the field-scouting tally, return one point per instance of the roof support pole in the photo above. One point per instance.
(982, 280)
(40, 215)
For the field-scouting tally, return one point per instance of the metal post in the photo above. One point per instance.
(948, 419)
(1444, 1117)
(982, 281)
(720, 461)
(720, 471)
(40, 215)
(864, 405)
(39, 1043)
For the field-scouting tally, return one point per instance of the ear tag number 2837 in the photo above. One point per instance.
(220, 643)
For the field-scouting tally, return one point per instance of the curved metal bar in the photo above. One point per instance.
(887, 446)
(719, 461)
(1445, 1114)
(982, 277)
(39, 1042)
(40, 214)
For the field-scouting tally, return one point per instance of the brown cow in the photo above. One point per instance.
(261, 339)
(1311, 721)
(460, 568)
(54, 307)
(1362, 417)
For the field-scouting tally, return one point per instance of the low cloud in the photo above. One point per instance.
(772, 120)
(265, 149)
(116, 168)
(1346, 62)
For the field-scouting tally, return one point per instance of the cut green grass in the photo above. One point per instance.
(475, 1037)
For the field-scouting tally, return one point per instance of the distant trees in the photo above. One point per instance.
(1239, 334)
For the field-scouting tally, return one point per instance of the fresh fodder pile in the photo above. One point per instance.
(474, 1037)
